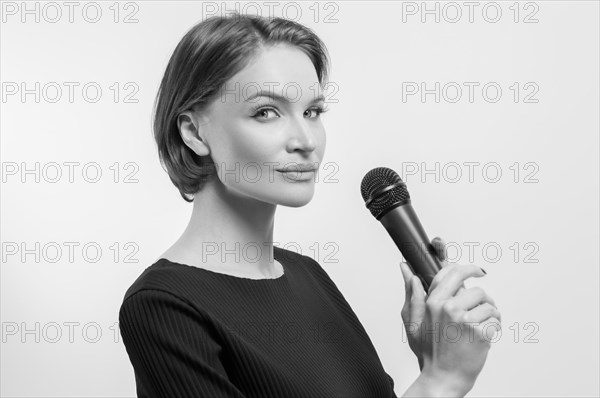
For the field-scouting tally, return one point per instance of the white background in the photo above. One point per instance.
(549, 341)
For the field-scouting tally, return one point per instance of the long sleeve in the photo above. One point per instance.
(171, 349)
(392, 383)
(324, 277)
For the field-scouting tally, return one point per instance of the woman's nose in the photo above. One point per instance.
(301, 137)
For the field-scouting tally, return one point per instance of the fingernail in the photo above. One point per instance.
(483, 270)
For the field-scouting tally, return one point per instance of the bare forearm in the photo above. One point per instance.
(427, 385)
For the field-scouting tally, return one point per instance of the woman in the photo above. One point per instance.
(225, 313)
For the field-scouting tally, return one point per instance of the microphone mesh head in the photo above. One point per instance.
(377, 199)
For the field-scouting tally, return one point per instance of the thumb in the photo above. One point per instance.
(407, 275)
(418, 290)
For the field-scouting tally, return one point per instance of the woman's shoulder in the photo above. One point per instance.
(161, 276)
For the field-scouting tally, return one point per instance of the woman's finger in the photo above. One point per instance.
(482, 313)
(417, 301)
(407, 275)
(447, 284)
(472, 297)
(418, 290)
(439, 276)
(440, 248)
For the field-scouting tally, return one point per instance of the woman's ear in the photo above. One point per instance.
(192, 132)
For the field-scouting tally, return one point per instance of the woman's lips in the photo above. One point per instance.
(299, 167)
(298, 175)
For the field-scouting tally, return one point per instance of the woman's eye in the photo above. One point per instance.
(264, 113)
(308, 111)
(316, 111)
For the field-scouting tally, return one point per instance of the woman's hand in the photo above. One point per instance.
(446, 328)
(413, 311)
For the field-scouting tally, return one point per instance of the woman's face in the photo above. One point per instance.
(265, 121)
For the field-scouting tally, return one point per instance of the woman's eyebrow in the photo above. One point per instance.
(277, 97)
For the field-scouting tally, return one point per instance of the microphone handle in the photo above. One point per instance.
(406, 230)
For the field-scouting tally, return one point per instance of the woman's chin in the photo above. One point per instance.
(295, 196)
(295, 202)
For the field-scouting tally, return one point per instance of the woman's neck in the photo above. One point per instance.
(230, 230)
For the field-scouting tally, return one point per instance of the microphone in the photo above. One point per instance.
(387, 199)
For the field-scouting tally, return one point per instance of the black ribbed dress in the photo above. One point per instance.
(191, 332)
